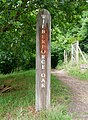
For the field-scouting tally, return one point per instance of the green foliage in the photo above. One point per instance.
(56, 54)
(84, 45)
(7, 62)
(58, 45)
(28, 61)
(18, 28)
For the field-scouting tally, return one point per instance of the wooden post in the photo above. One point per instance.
(77, 53)
(82, 55)
(72, 54)
(65, 57)
(43, 60)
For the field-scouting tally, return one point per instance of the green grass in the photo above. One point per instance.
(60, 93)
(75, 71)
(16, 103)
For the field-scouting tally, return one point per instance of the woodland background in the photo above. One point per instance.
(18, 31)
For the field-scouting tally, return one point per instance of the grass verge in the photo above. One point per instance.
(81, 74)
(75, 71)
(18, 102)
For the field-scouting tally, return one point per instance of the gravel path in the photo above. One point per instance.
(79, 105)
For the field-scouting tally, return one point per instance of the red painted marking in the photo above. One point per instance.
(44, 41)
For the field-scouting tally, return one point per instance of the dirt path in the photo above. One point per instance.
(79, 105)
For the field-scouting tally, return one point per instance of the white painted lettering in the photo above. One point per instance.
(43, 56)
(43, 67)
(43, 75)
(42, 26)
(43, 21)
(43, 62)
(43, 51)
(43, 85)
(43, 16)
(43, 31)
(43, 80)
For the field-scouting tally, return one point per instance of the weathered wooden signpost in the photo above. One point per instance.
(43, 60)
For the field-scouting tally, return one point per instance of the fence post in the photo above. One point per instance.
(77, 53)
(72, 54)
(65, 57)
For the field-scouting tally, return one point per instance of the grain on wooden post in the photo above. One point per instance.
(43, 60)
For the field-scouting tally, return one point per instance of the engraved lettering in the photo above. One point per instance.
(43, 41)
(43, 67)
(43, 62)
(43, 31)
(43, 85)
(43, 80)
(43, 75)
(42, 36)
(43, 56)
(43, 51)
(42, 26)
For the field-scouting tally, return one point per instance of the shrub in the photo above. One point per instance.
(28, 62)
(56, 55)
(7, 62)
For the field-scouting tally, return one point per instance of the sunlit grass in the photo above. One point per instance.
(75, 70)
(81, 74)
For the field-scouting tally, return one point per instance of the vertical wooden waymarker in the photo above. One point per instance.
(43, 60)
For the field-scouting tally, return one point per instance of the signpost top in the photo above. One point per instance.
(43, 14)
